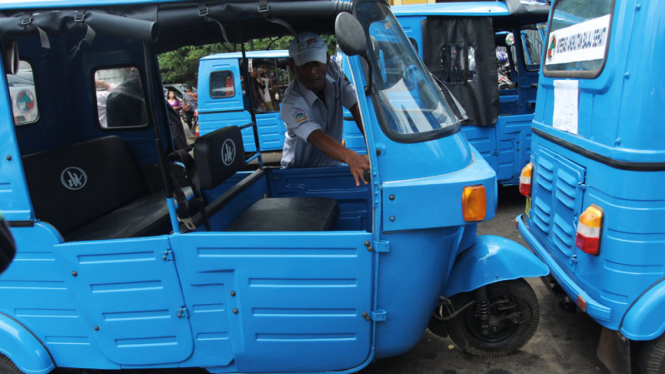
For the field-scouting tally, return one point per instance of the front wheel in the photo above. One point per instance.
(652, 357)
(7, 366)
(500, 326)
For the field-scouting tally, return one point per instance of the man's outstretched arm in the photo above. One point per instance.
(333, 149)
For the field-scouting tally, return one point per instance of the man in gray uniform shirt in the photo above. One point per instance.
(312, 110)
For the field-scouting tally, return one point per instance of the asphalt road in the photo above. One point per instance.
(564, 342)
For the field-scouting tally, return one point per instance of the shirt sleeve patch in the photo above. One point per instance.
(299, 115)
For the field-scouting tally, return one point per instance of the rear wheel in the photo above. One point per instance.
(651, 359)
(7, 366)
(511, 318)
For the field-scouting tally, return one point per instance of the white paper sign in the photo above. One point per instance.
(565, 105)
(585, 41)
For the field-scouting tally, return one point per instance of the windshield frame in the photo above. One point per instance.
(375, 94)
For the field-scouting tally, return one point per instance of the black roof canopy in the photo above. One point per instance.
(173, 25)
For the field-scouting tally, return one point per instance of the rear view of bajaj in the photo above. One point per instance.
(122, 263)
(224, 101)
(594, 186)
(487, 55)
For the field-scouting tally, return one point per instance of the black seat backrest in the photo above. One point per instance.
(76, 184)
(219, 155)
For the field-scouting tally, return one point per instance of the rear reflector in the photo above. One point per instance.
(588, 230)
(525, 179)
(581, 303)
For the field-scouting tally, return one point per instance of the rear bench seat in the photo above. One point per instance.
(220, 154)
(94, 190)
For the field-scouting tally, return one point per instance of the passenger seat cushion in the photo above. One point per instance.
(218, 155)
(288, 214)
(76, 184)
(145, 216)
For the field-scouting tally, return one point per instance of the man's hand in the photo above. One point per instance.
(358, 164)
(331, 147)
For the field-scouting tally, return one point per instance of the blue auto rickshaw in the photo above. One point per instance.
(224, 102)
(132, 254)
(594, 185)
(487, 56)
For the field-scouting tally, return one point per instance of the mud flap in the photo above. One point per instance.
(614, 351)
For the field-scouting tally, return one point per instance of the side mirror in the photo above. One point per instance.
(350, 34)
(10, 57)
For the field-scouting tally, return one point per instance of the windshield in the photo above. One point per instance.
(411, 107)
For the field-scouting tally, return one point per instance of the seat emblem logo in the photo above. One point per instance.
(228, 152)
(73, 178)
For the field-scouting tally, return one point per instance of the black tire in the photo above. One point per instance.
(7, 366)
(437, 327)
(651, 358)
(511, 296)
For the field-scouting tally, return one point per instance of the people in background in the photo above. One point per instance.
(102, 91)
(266, 92)
(173, 100)
(189, 105)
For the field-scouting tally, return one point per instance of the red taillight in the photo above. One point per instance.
(525, 180)
(588, 230)
(197, 131)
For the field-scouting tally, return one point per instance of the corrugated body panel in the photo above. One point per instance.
(557, 200)
(126, 289)
(293, 301)
(34, 291)
(271, 131)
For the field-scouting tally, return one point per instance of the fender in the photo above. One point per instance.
(492, 259)
(23, 348)
(644, 320)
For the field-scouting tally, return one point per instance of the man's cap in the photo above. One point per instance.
(308, 47)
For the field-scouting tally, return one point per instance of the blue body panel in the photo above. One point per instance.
(215, 113)
(21, 346)
(644, 320)
(435, 195)
(492, 259)
(505, 146)
(611, 161)
(285, 317)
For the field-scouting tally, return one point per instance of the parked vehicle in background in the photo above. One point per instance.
(487, 54)
(224, 100)
(595, 199)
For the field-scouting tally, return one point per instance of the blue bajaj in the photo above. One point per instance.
(134, 255)
(487, 56)
(594, 186)
(223, 100)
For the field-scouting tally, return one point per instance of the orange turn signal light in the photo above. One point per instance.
(474, 203)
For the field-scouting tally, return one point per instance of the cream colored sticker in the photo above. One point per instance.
(566, 94)
(585, 41)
